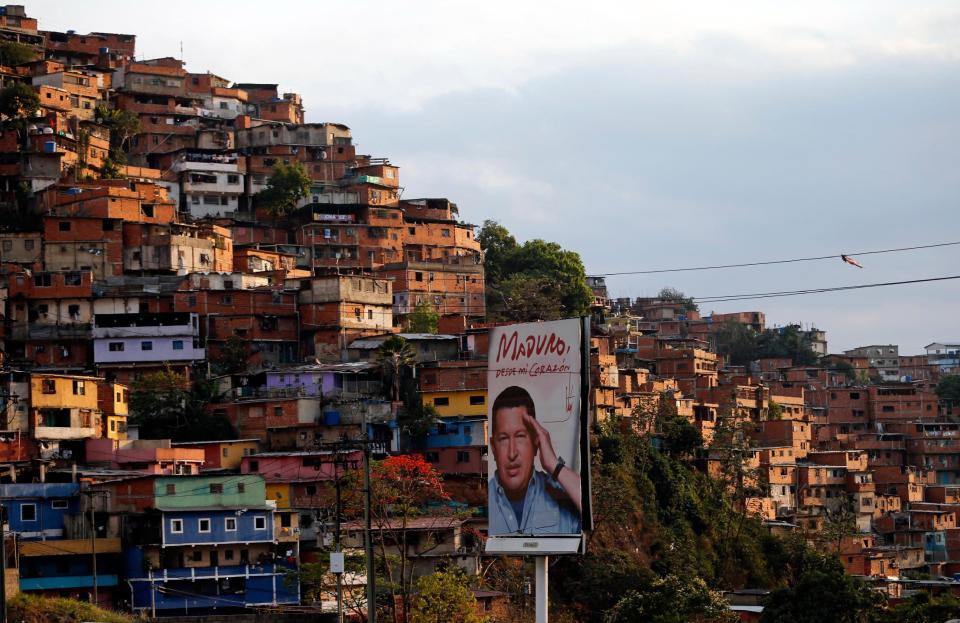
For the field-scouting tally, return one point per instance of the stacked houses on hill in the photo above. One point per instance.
(134, 246)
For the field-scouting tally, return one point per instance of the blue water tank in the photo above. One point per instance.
(50, 147)
(331, 418)
(104, 50)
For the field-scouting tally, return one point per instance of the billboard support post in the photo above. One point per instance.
(542, 613)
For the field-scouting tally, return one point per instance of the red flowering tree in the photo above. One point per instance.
(409, 521)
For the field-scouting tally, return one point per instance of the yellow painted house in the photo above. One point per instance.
(64, 406)
(458, 403)
(114, 399)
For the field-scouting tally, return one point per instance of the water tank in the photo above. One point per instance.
(104, 50)
(48, 130)
(331, 418)
(50, 147)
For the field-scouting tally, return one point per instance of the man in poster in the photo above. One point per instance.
(525, 500)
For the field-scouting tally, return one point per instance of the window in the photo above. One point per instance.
(178, 345)
(445, 233)
(74, 311)
(369, 314)
(888, 409)
(196, 555)
(171, 489)
(463, 456)
(418, 276)
(8, 245)
(59, 505)
(441, 401)
(230, 524)
(254, 466)
(233, 179)
(431, 457)
(176, 526)
(412, 230)
(64, 226)
(28, 512)
(79, 389)
(146, 345)
(259, 522)
(278, 411)
(241, 487)
(203, 525)
(228, 554)
(49, 386)
(116, 347)
(216, 487)
(28, 245)
(478, 400)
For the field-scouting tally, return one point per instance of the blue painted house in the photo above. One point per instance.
(457, 432)
(54, 548)
(37, 510)
(204, 543)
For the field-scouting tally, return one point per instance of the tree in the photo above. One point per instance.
(839, 522)
(737, 342)
(123, 125)
(13, 54)
(286, 186)
(672, 599)
(423, 319)
(497, 245)
(18, 102)
(445, 597)
(774, 410)
(394, 356)
(682, 439)
(166, 406)
(674, 295)
(233, 358)
(537, 280)
(822, 593)
(948, 389)
(402, 489)
(924, 608)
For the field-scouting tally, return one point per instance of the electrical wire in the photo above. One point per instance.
(764, 295)
(769, 262)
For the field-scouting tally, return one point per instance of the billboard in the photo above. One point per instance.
(537, 388)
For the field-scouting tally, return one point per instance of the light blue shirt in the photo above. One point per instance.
(546, 509)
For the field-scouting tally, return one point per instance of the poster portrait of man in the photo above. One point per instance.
(525, 500)
(538, 493)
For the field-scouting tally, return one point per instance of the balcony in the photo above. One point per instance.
(58, 331)
(57, 547)
(200, 573)
(66, 581)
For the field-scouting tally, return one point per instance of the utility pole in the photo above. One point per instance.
(364, 444)
(93, 549)
(3, 564)
(336, 480)
(367, 532)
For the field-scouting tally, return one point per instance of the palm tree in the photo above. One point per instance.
(394, 355)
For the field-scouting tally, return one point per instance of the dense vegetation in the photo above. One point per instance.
(665, 529)
(741, 344)
(24, 608)
(536, 280)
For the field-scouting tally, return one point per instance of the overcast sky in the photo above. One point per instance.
(643, 135)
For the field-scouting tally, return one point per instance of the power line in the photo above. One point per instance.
(787, 261)
(764, 295)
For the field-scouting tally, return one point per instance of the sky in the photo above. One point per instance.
(643, 135)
